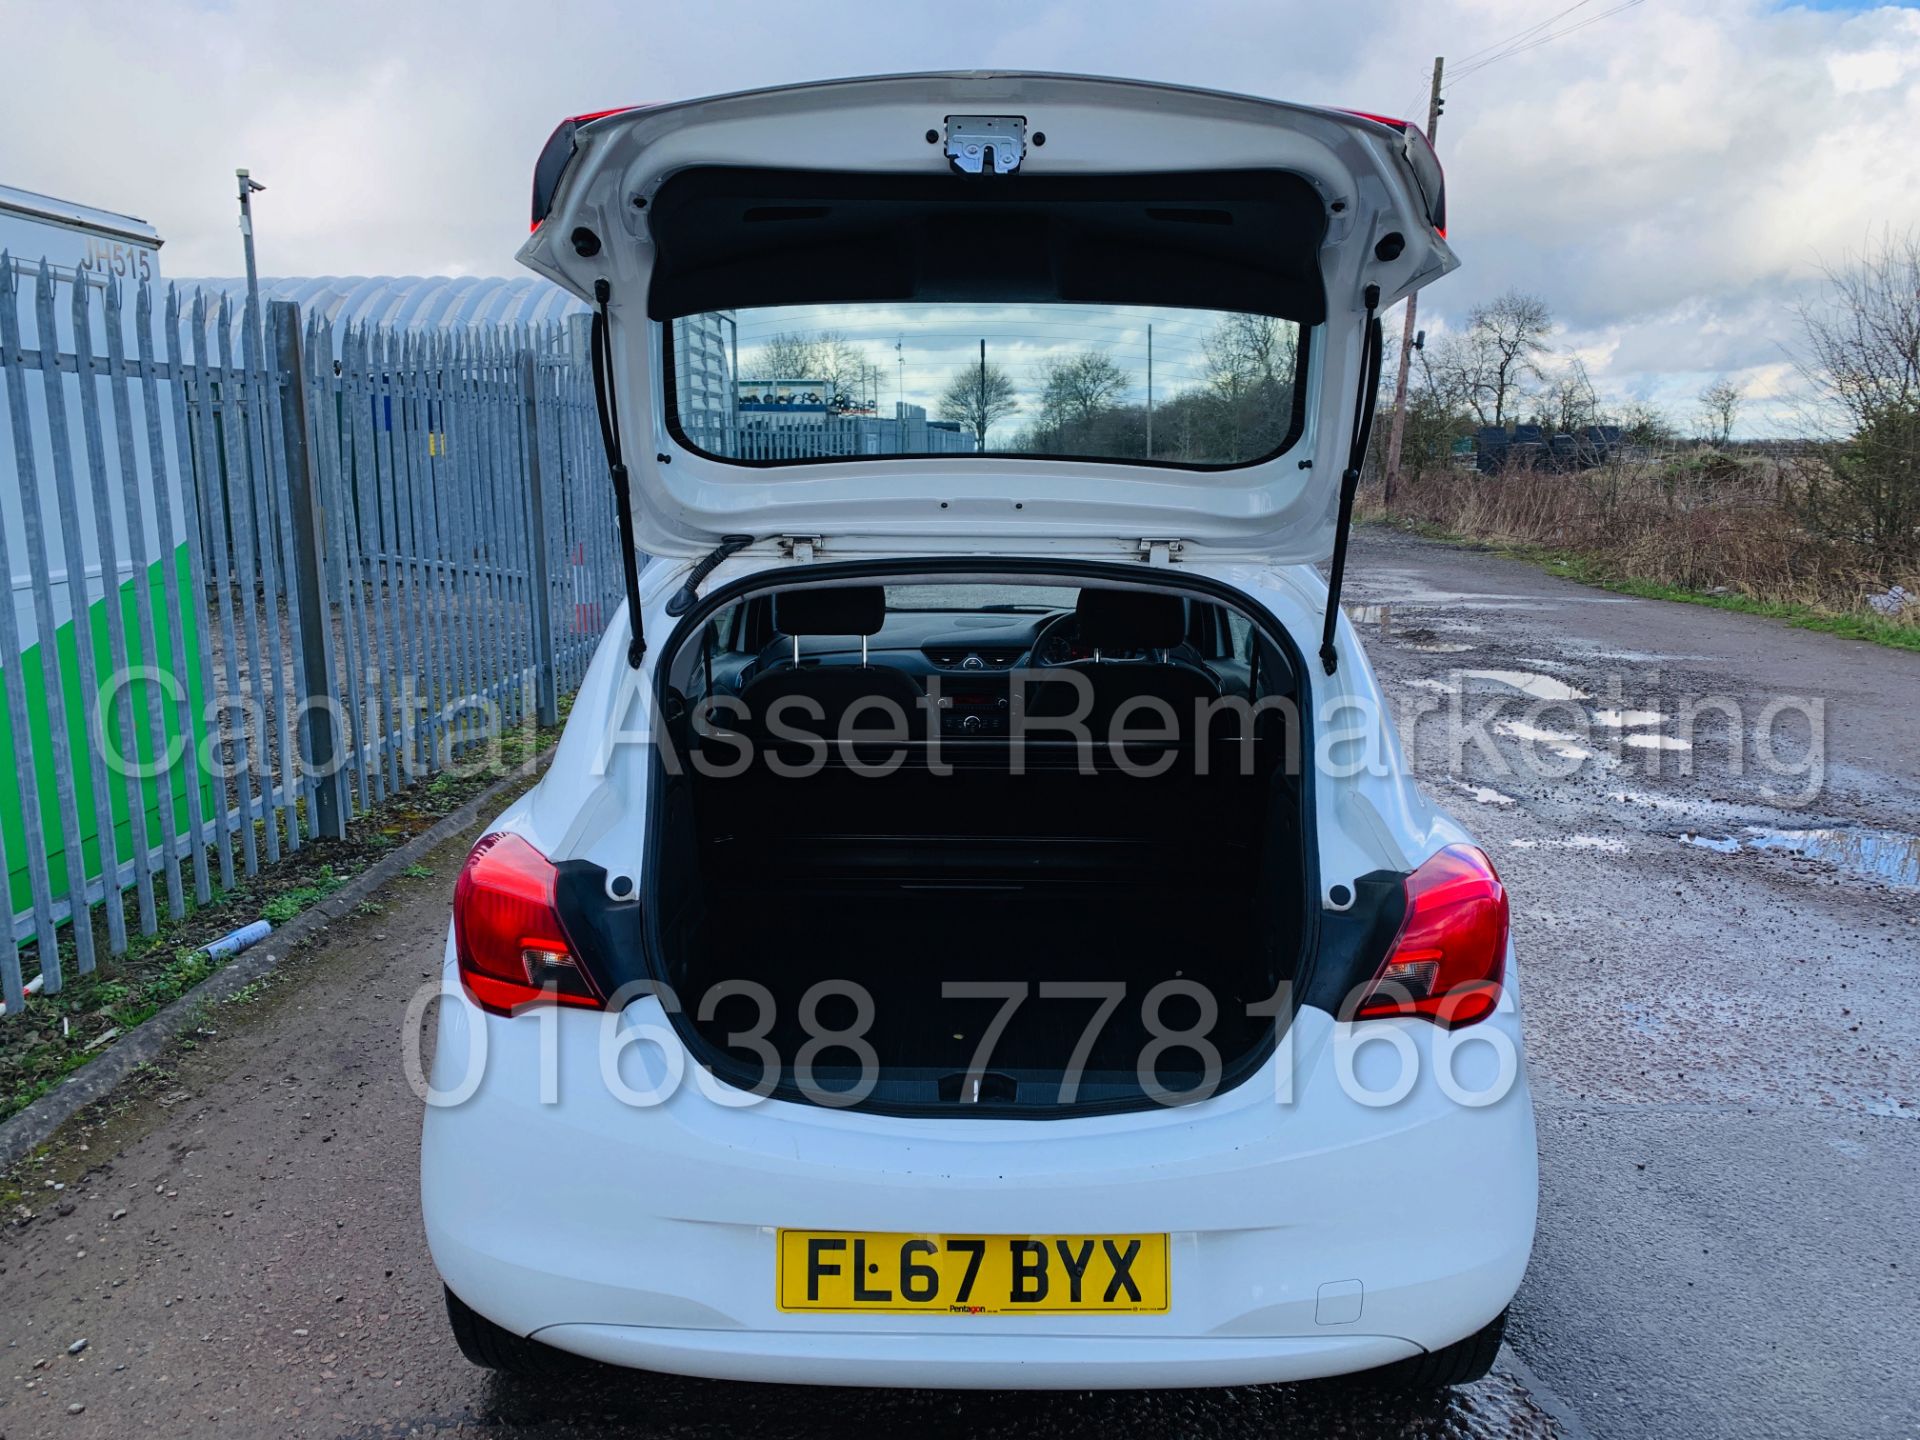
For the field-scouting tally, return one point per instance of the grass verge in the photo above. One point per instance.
(57, 1034)
(1587, 570)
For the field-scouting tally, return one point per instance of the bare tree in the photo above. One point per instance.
(1077, 388)
(1081, 409)
(1508, 335)
(1448, 370)
(1490, 367)
(849, 377)
(1436, 414)
(786, 356)
(1644, 423)
(842, 364)
(1862, 360)
(1250, 362)
(979, 398)
(1247, 350)
(1570, 403)
(1719, 408)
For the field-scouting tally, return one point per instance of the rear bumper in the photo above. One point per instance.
(1309, 1233)
(978, 1362)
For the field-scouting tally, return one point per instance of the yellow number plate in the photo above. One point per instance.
(846, 1271)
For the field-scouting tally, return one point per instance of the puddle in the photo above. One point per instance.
(1439, 685)
(1482, 794)
(1720, 845)
(1528, 682)
(1414, 637)
(1627, 719)
(1888, 856)
(1658, 742)
(1606, 843)
(1877, 854)
(1567, 747)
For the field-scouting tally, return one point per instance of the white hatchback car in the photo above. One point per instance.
(977, 928)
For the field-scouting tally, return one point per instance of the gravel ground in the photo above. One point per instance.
(1722, 1059)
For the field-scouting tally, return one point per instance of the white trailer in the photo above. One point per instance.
(77, 240)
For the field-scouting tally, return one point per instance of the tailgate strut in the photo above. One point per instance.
(616, 466)
(1368, 398)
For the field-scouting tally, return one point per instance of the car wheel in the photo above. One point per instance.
(493, 1348)
(1460, 1363)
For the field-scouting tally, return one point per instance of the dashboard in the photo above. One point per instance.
(962, 659)
(1059, 643)
(923, 643)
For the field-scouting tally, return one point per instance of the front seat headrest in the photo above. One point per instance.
(1131, 619)
(835, 610)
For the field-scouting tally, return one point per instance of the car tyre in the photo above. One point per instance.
(493, 1348)
(1460, 1363)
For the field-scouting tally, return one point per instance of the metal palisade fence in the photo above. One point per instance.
(265, 573)
(833, 435)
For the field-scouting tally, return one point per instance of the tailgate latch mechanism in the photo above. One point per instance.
(986, 144)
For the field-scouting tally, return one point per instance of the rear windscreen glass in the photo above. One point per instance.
(1149, 385)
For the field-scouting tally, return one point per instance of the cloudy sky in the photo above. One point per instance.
(1669, 176)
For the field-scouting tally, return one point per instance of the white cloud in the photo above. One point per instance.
(1668, 177)
(1863, 70)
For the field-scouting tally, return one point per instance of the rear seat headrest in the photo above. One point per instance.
(839, 610)
(1131, 619)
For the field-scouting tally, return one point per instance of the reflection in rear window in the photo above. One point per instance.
(978, 598)
(796, 383)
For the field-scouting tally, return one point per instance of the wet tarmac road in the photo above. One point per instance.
(1722, 1045)
(1724, 1053)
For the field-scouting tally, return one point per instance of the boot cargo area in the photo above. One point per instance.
(872, 928)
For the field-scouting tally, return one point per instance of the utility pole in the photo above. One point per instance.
(1149, 392)
(1397, 434)
(732, 411)
(254, 352)
(248, 185)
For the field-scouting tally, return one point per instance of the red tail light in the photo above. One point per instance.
(1426, 166)
(1392, 120)
(1450, 958)
(513, 950)
(554, 156)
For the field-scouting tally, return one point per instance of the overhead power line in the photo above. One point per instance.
(1531, 39)
(1466, 61)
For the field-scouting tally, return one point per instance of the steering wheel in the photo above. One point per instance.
(1056, 640)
